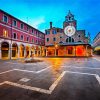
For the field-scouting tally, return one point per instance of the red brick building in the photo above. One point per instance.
(59, 44)
(18, 39)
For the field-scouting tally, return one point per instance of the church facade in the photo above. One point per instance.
(58, 43)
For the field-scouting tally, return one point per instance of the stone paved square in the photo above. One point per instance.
(52, 79)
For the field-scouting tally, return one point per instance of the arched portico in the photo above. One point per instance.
(21, 50)
(14, 51)
(27, 52)
(5, 50)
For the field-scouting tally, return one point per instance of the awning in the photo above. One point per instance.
(97, 48)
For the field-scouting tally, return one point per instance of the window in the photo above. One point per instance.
(5, 18)
(36, 33)
(57, 30)
(36, 41)
(54, 39)
(22, 26)
(54, 32)
(47, 32)
(32, 40)
(32, 31)
(27, 28)
(27, 39)
(5, 33)
(47, 39)
(72, 40)
(61, 31)
(79, 36)
(14, 36)
(69, 39)
(14, 23)
(22, 37)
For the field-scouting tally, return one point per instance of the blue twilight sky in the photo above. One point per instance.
(39, 13)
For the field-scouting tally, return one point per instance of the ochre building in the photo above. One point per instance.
(57, 43)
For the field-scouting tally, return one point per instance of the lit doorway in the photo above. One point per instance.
(5, 50)
(14, 51)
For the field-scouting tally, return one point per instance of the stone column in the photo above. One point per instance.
(10, 52)
(46, 52)
(74, 50)
(65, 51)
(86, 51)
(24, 52)
(41, 51)
(18, 52)
(55, 51)
(29, 52)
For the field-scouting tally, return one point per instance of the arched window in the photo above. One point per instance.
(69, 39)
(72, 40)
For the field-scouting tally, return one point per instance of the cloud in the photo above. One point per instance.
(36, 22)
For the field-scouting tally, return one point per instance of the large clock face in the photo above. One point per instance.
(69, 30)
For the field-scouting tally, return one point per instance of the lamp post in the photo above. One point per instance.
(56, 49)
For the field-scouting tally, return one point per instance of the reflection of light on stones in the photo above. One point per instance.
(56, 66)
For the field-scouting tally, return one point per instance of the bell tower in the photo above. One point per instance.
(69, 20)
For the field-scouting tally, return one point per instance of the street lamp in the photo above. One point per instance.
(56, 46)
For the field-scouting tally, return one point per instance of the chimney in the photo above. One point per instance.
(50, 25)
